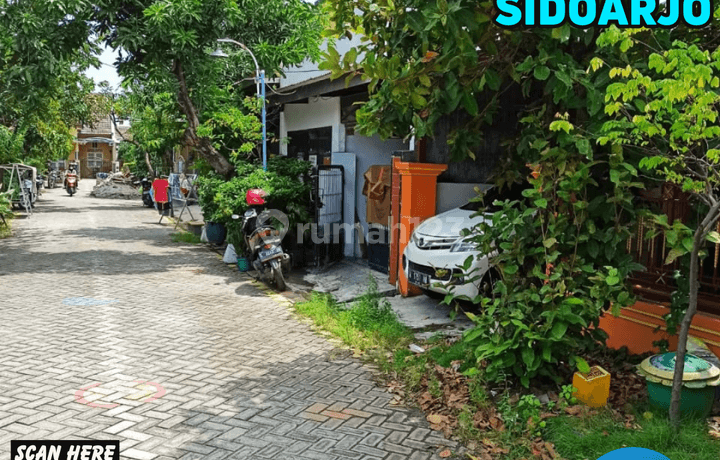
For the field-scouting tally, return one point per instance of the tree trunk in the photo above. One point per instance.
(694, 277)
(202, 144)
(685, 330)
(151, 171)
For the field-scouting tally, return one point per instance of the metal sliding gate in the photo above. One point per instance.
(328, 234)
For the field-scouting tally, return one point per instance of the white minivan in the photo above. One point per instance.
(436, 252)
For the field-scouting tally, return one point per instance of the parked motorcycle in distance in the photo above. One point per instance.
(28, 191)
(263, 239)
(71, 181)
(146, 185)
(52, 179)
(39, 183)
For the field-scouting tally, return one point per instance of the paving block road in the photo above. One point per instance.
(110, 331)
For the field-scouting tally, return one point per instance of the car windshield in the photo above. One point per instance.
(514, 192)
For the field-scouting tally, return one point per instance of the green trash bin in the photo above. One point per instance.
(699, 381)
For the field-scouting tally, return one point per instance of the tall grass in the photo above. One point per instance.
(579, 438)
(369, 322)
(185, 237)
(7, 213)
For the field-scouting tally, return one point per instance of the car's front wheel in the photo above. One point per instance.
(486, 287)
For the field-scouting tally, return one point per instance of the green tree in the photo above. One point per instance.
(425, 60)
(665, 104)
(155, 130)
(168, 42)
(44, 48)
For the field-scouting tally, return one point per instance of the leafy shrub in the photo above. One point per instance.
(11, 145)
(5, 206)
(208, 186)
(562, 258)
(286, 182)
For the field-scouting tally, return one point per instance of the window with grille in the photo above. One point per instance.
(95, 160)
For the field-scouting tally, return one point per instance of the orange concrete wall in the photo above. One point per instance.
(635, 328)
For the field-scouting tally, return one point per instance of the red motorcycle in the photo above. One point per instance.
(71, 181)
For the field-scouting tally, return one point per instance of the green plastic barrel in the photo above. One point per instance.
(700, 378)
(694, 402)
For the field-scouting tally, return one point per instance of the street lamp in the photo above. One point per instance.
(259, 88)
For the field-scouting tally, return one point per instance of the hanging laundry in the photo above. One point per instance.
(160, 189)
(377, 191)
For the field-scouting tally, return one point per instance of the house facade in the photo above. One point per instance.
(95, 146)
(316, 122)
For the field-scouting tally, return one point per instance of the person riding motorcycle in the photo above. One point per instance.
(71, 179)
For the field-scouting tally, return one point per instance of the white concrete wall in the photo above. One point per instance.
(317, 113)
(451, 196)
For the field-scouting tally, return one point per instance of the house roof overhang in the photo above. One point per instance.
(100, 140)
(318, 86)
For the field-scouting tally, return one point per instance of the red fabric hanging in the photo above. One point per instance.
(160, 189)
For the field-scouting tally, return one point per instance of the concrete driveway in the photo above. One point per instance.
(111, 331)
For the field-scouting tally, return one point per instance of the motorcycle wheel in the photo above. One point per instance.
(70, 191)
(278, 277)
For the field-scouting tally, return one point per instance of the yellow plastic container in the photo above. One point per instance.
(593, 388)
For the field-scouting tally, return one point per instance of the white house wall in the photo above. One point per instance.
(319, 112)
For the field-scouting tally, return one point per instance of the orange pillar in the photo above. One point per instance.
(418, 195)
(394, 224)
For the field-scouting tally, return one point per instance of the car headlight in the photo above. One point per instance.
(415, 240)
(463, 246)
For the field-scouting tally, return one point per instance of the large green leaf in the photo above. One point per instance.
(558, 330)
(528, 356)
(541, 72)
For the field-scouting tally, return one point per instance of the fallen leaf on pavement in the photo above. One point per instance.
(445, 454)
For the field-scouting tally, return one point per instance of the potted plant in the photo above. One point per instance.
(286, 182)
(236, 238)
(214, 226)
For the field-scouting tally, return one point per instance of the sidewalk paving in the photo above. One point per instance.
(111, 331)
